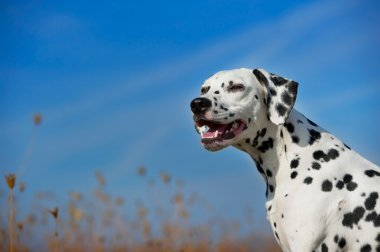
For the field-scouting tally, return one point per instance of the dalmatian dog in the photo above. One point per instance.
(321, 195)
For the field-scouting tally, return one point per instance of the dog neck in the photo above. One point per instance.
(269, 144)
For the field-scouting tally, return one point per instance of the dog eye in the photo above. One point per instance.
(236, 87)
(204, 90)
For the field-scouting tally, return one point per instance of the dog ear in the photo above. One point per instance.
(280, 95)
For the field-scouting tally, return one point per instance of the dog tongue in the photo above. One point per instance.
(215, 130)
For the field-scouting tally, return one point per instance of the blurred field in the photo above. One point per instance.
(95, 223)
(95, 220)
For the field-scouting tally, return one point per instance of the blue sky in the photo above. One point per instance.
(113, 81)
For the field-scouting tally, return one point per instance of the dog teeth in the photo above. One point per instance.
(235, 125)
(209, 135)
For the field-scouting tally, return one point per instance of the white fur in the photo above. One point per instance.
(308, 207)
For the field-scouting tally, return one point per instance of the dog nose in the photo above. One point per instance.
(200, 105)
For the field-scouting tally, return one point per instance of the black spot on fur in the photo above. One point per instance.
(340, 185)
(271, 188)
(373, 217)
(222, 85)
(371, 173)
(294, 163)
(366, 248)
(347, 178)
(278, 238)
(269, 173)
(316, 166)
(370, 202)
(289, 127)
(378, 237)
(324, 248)
(266, 145)
(281, 109)
(260, 168)
(351, 186)
(224, 108)
(342, 243)
(349, 219)
(216, 92)
(256, 139)
(292, 87)
(260, 77)
(331, 155)
(215, 111)
(231, 114)
(263, 132)
(336, 238)
(278, 80)
(295, 139)
(314, 136)
(327, 186)
(293, 175)
(286, 98)
(273, 92)
(308, 180)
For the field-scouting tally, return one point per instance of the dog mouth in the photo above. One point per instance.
(217, 133)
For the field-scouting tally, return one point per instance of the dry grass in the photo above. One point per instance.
(97, 221)
(11, 180)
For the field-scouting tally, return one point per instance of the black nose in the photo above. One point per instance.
(200, 105)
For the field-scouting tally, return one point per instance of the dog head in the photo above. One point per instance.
(233, 103)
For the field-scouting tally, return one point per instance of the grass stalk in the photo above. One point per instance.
(54, 213)
(11, 221)
(55, 246)
(11, 180)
